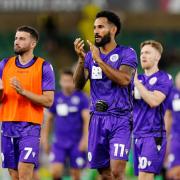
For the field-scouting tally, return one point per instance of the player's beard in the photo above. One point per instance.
(104, 40)
(20, 51)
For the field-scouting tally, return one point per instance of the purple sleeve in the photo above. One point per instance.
(2, 64)
(169, 100)
(84, 102)
(164, 84)
(48, 79)
(129, 57)
(52, 109)
(169, 104)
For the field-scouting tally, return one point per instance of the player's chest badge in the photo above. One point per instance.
(75, 100)
(153, 80)
(114, 57)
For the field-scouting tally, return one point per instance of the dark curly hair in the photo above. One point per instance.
(112, 17)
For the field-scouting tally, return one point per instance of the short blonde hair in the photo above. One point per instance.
(155, 44)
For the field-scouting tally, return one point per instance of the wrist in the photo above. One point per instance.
(99, 61)
(81, 60)
(136, 82)
(22, 92)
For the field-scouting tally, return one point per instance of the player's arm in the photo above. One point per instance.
(84, 139)
(47, 129)
(152, 98)
(48, 85)
(122, 76)
(45, 99)
(1, 89)
(81, 74)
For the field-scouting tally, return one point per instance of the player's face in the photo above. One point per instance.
(102, 32)
(66, 83)
(23, 42)
(177, 80)
(149, 57)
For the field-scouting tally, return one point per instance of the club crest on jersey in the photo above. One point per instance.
(176, 96)
(153, 80)
(114, 57)
(75, 100)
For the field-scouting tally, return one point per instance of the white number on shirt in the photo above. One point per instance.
(176, 104)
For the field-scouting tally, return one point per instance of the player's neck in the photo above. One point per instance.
(67, 93)
(108, 47)
(25, 58)
(149, 72)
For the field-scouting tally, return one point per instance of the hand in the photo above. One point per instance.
(46, 147)
(83, 144)
(95, 52)
(136, 78)
(79, 48)
(15, 83)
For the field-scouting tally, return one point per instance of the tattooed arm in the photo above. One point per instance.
(122, 76)
(81, 74)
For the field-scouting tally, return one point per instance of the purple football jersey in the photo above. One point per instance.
(119, 99)
(150, 121)
(174, 106)
(68, 122)
(17, 129)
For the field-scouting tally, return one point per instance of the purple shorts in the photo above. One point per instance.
(174, 157)
(20, 149)
(149, 153)
(60, 154)
(109, 138)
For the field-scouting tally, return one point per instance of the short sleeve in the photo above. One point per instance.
(48, 79)
(2, 64)
(169, 103)
(84, 102)
(129, 57)
(164, 84)
(170, 99)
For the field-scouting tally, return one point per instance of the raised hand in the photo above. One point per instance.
(95, 52)
(136, 78)
(79, 48)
